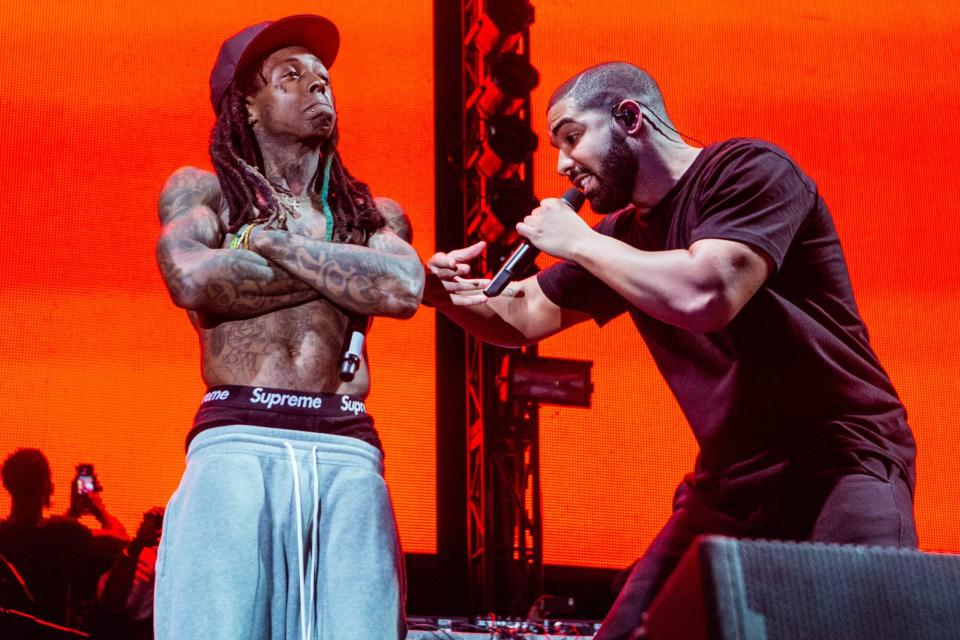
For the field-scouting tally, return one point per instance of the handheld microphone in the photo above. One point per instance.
(353, 346)
(524, 255)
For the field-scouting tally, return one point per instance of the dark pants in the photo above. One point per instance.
(869, 505)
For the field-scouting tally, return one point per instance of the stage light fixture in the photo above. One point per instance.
(510, 81)
(550, 380)
(487, 227)
(500, 27)
(511, 199)
(509, 140)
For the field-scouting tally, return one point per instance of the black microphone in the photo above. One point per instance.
(524, 255)
(353, 345)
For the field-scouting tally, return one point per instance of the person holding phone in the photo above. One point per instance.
(58, 557)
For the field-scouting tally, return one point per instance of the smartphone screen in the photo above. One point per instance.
(85, 482)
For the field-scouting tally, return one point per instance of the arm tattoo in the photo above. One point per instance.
(187, 188)
(383, 278)
(202, 277)
(396, 217)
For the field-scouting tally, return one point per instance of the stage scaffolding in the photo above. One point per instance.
(504, 533)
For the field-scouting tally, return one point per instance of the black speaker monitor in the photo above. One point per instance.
(726, 589)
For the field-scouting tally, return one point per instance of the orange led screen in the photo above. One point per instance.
(101, 101)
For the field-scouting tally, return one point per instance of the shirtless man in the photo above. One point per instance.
(282, 526)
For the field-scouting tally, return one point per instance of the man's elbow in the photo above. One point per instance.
(183, 297)
(400, 307)
(709, 313)
(723, 283)
(404, 301)
(189, 298)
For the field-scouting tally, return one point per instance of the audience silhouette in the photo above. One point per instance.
(58, 557)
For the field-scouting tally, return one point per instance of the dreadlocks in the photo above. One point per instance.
(251, 198)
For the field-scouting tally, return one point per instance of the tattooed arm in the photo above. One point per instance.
(205, 278)
(384, 278)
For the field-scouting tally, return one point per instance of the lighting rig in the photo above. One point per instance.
(504, 537)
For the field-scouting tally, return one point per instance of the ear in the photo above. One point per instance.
(629, 115)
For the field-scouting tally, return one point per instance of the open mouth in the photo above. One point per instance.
(584, 181)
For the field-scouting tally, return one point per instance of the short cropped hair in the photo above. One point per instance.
(26, 472)
(604, 86)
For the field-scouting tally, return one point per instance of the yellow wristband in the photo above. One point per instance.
(245, 240)
(242, 239)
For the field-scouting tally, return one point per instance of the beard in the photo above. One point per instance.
(615, 180)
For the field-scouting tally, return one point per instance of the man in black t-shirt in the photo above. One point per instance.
(728, 262)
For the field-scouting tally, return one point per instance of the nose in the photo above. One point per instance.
(317, 85)
(564, 164)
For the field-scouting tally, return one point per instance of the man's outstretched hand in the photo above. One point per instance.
(448, 283)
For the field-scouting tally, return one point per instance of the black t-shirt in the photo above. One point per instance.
(792, 378)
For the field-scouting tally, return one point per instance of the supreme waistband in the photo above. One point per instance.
(331, 413)
(283, 401)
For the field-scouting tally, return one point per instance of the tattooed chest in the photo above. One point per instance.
(297, 347)
(310, 222)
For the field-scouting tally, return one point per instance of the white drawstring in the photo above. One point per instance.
(297, 504)
(306, 624)
(316, 543)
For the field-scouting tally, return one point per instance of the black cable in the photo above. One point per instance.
(664, 123)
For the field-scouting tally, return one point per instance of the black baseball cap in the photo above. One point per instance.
(238, 52)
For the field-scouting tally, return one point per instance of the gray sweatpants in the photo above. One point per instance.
(281, 535)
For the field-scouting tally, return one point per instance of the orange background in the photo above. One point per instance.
(101, 101)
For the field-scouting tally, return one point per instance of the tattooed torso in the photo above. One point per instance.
(275, 315)
(298, 347)
(295, 348)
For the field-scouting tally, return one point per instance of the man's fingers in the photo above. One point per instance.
(465, 284)
(467, 254)
(447, 266)
(467, 300)
(441, 261)
(450, 274)
(465, 293)
(524, 230)
(444, 274)
(462, 288)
